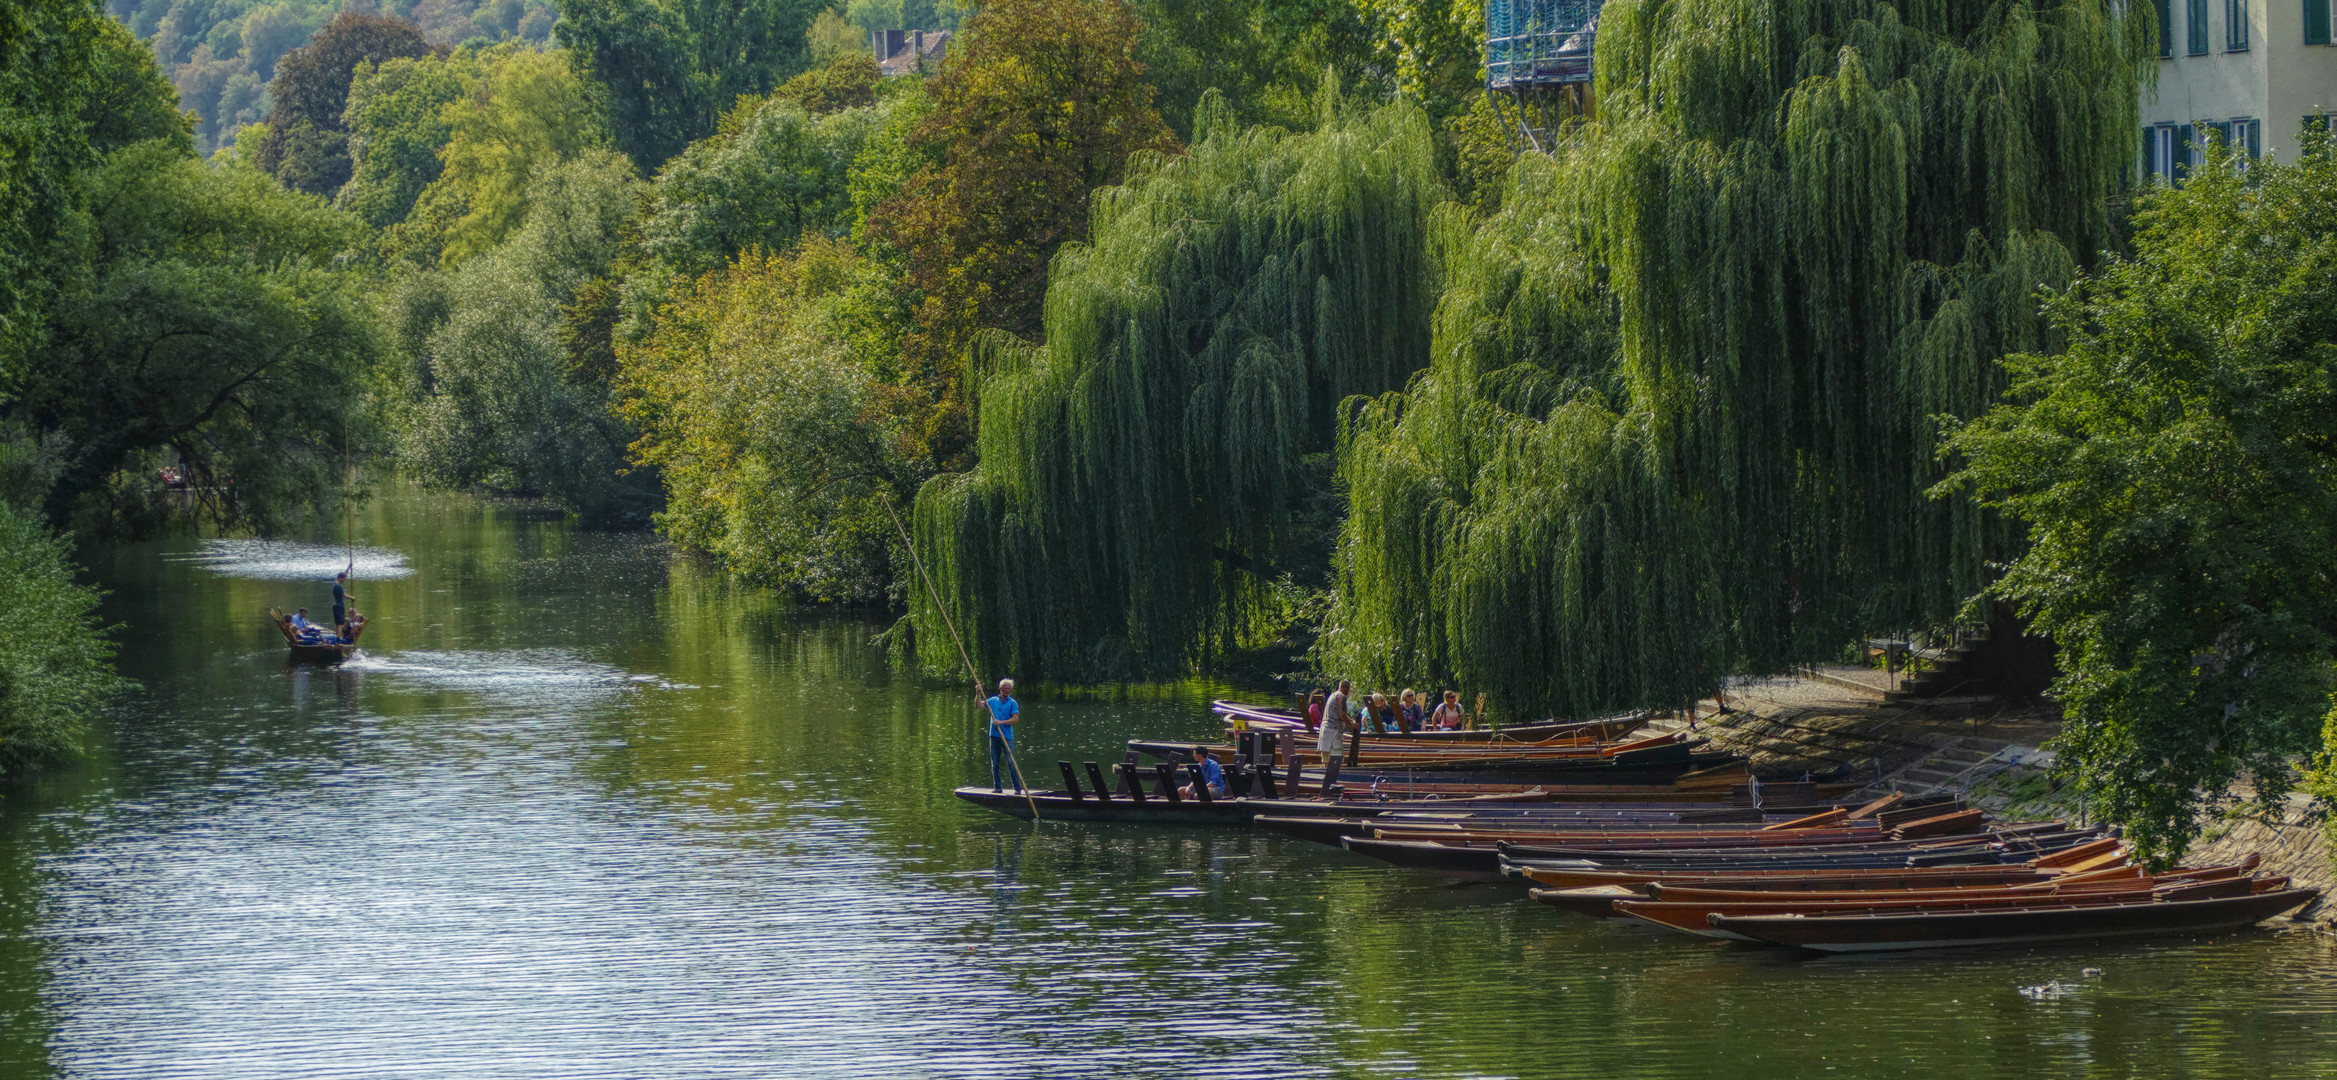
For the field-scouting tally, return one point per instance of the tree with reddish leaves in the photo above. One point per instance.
(307, 145)
(1039, 103)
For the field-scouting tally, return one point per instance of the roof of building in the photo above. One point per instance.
(917, 47)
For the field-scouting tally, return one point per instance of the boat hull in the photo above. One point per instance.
(1902, 933)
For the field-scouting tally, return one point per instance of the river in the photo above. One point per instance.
(582, 808)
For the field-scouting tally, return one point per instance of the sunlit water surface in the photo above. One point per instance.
(582, 809)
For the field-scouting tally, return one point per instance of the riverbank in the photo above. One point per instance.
(1840, 721)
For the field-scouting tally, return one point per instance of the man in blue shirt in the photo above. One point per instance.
(1004, 711)
(341, 599)
(1210, 774)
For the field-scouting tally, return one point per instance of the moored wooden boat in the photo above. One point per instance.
(2066, 921)
(1271, 719)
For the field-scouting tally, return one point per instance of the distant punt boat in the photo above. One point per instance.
(318, 652)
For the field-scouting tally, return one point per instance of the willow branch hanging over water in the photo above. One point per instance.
(1143, 473)
(1680, 416)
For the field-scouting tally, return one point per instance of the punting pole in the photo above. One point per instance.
(935, 594)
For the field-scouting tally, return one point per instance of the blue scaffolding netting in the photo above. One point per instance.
(1538, 42)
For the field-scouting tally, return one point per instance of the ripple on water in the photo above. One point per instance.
(286, 560)
(534, 677)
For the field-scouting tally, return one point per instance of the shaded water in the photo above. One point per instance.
(582, 809)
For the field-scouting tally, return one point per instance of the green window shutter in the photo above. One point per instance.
(2316, 22)
(2196, 10)
(2149, 153)
(2255, 139)
(2166, 24)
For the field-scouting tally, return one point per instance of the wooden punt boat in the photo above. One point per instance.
(313, 651)
(2128, 876)
(1270, 719)
(1495, 864)
(1890, 877)
(1695, 919)
(1895, 932)
(1526, 818)
(1157, 807)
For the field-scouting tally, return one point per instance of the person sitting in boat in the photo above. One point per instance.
(306, 631)
(1383, 716)
(1314, 710)
(1448, 716)
(1210, 773)
(1413, 717)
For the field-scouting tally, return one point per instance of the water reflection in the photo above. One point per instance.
(580, 809)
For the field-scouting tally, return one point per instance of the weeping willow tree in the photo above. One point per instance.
(1145, 474)
(1683, 406)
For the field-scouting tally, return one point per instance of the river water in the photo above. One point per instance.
(582, 808)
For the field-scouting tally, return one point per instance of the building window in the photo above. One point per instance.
(2247, 138)
(2195, 18)
(2316, 24)
(2158, 152)
(2235, 25)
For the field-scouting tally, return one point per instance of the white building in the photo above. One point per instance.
(2258, 72)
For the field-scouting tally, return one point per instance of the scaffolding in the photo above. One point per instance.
(1538, 64)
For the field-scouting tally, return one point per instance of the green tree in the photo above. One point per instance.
(1039, 103)
(56, 666)
(1265, 58)
(1680, 413)
(780, 173)
(846, 82)
(1152, 481)
(759, 394)
(2175, 470)
(48, 64)
(307, 142)
(398, 122)
(670, 68)
(524, 112)
(211, 320)
(487, 392)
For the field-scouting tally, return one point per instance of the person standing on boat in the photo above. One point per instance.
(1331, 738)
(1004, 712)
(342, 597)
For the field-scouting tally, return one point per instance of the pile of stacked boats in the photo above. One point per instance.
(1660, 831)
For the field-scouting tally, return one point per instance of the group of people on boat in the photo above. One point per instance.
(1374, 714)
(305, 632)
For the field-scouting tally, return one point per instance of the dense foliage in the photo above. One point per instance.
(1680, 417)
(2175, 469)
(760, 394)
(211, 321)
(670, 68)
(56, 667)
(1144, 489)
(221, 54)
(306, 144)
(1040, 104)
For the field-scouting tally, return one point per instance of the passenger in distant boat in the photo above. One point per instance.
(1448, 715)
(1331, 737)
(1414, 718)
(1314, 710)
(304, 631)
(1210, 773)
(1004, 712)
